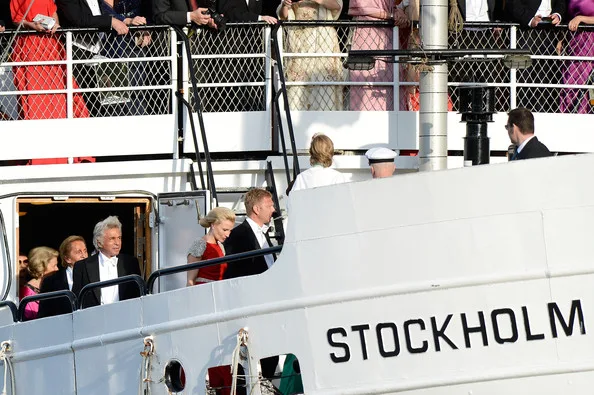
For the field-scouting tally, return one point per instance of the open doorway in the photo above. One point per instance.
(47, 222)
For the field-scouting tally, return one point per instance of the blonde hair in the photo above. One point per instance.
(217, 215)
(39, 257)
(253, 197)
(321, 150)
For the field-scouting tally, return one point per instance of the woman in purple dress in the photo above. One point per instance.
(579, 72)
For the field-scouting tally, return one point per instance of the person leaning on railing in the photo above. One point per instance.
(579, 72)
(178, 12)
(374, 98)
(133, 45)
(35, 48)
(322, 39)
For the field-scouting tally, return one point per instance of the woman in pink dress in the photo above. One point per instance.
(372, 98)
(579, 72)
(42, 261)
(41, 47)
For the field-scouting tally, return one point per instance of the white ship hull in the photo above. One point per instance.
(474, 280)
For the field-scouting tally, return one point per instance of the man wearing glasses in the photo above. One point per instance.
(520, 128)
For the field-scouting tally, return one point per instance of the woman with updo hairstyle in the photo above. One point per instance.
(219, 222)
(319, 174)
(42, 261)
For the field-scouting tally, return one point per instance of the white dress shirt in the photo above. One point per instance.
(260, 232)
(94, 6)
(477, 11)
(108, 270)
(69, 277)
(317, 176)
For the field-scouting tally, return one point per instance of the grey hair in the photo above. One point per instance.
(108, 223)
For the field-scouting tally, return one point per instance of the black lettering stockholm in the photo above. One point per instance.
(380, 339)
(361, 329)
(440, 333)
(482, 329)
(576, 308)
(529, 335)
(512, 322)
(347, 353)
(424, 345)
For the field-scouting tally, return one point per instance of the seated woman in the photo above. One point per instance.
(42, 261)
(320, 174)
(220, 220)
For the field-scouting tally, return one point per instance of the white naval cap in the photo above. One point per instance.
(380, 154)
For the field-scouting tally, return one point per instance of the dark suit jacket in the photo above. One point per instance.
(522, 11)
(170, 12)
(87, 271)
(239, 11)
(490, 4)
(54, 282)
(533, 149)
(243, 239)
(76, 13)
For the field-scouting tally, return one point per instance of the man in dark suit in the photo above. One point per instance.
(107, 264)
(78, 13)
(251, 235)
(180, 12)
(520, 128)
(242, 11)
(480, 10)
(528, 13)
(72, 250)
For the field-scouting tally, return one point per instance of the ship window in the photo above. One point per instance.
(175, 376)
(46, 221)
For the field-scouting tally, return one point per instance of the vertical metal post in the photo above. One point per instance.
(513, 76)
(69, 77)
(179, 82)
(433, 85)
(396, 70)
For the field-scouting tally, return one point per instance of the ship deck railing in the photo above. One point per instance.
(235, 73)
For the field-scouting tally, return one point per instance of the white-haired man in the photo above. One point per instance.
(381, 162)
(107, 264)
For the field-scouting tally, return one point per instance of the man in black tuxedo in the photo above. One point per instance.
(83, 13)
(251, 235)
(244, 11)
(180, 12)
(477, 10)
(528, 13)
(107, 264)
(520, 128)
(72, 250)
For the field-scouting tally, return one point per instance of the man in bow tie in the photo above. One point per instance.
(107, 264)
(251, 235)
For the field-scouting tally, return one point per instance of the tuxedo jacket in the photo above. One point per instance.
(522, 11)
(55, 282)
(76, 13)
(533, 149)
(490, 5)
(239, 10)
(243, 239)
(171, 12)
(87, 271)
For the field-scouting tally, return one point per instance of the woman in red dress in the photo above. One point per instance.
(41, 47)
(220, 220)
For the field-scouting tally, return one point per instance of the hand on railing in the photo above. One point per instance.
(575, 22)
(119, 26)
(269, 19)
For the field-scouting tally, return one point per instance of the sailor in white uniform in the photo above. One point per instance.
(381, 162)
